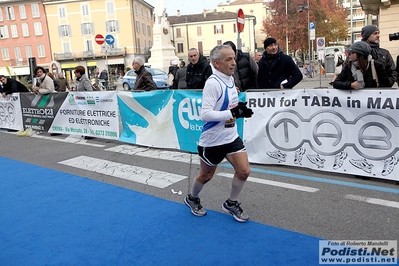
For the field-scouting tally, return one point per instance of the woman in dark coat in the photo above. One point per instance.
(358, 73)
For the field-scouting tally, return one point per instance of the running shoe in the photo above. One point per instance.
(299, 155)
(236, 211)
(339, 159)
(195, 205)
(389, 165)
(278, 155)
(362, 164)
(316, 159)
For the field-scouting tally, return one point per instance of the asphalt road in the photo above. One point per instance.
(321, 204)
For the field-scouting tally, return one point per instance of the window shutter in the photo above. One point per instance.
(214, 29)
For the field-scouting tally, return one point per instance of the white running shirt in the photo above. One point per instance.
(218, 97)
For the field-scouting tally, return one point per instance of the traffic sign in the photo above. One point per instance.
(240, 20)
(110, 39)
(321, 43)
(99, 39)
(312, 25)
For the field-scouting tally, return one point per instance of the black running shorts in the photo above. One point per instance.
(212, 156)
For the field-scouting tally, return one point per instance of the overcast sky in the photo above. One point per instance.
(187, 7)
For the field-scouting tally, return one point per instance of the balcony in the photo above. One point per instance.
(89, 54)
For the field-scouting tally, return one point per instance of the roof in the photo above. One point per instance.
(205, 17)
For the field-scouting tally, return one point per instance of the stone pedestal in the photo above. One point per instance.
(162, 51)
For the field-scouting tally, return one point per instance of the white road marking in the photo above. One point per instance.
(156, 153)
(274, 183)
(386, 203)
(129, 172)
(75, 139)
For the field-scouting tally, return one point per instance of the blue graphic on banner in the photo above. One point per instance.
(164, 118)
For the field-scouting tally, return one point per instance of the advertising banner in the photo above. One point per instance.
(38, 111)
(10, 115)
(93, 114)
(353, 132)
(163, 118)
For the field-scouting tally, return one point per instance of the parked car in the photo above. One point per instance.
(158, 76)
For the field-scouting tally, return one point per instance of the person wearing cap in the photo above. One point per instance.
(338, 68)
(246, 69)
(277, 70)
(358, 72)
(371, 35)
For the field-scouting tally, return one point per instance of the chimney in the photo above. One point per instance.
(178, 12)
(204, 13)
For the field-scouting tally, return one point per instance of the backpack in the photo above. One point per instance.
(171, 77)
(340, 60)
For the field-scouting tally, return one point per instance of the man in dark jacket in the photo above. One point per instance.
(277, 70)
(144, 79)
(10, 86)
(198, 71)
(371, 35)
(246, 69)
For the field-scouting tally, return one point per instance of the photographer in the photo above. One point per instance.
(371, 35)
(10, 86)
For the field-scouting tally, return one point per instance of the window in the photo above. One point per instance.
(200, 48)
(180, 48)
(25, 29)
(87, 28)
(40, 50)
(178, 33)
(14, 31)
(149, 31)
(66, 47)
(85, 10)
(35, 11)
(38, 28)
(110, 8)
(10, 13)
(138, 26)
(112, 26)
(219, 42)
(64, 31)
(143, 26)
(234, 27)
(89, 45)
(61, 12)
(22, 12)
(1, 14)
(199, 31)
(17, 52)
(218, 29)
(4, 32)
(5, 53)
(28, 51)
(138, 46)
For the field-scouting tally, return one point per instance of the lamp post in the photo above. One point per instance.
(300, 9)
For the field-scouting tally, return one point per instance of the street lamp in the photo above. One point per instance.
(300, 9)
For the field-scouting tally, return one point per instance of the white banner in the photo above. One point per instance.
(352, 132)
(10, 112)
(92, 114)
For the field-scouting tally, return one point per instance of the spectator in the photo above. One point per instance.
(63, 83)
(277, 70)
(56, 85)
(257, 57)
(83, 81)
(10, 86)
(144, 79)
(358, 73)
(371, 35)
(181, 76)
(198, 70)
(172, 71)
(104, 77)
(44, 84)
(338, 68)
(246, 69)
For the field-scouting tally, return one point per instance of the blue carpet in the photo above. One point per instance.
(54, 218)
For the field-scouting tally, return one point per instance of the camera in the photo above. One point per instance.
(394, 36)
